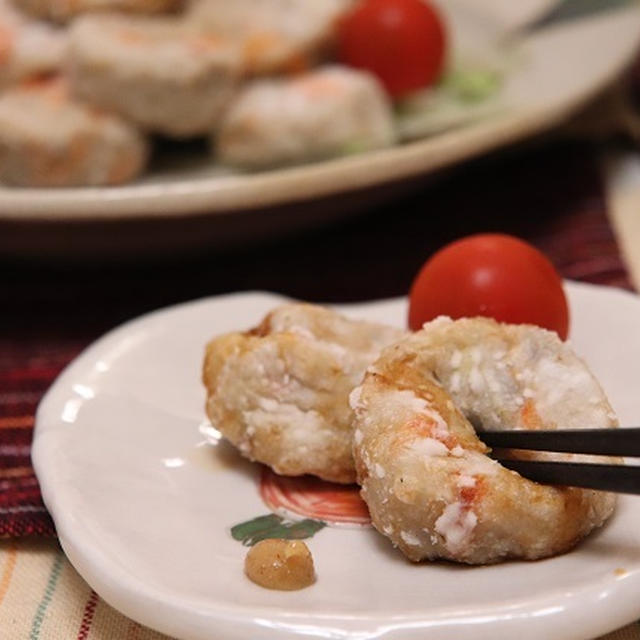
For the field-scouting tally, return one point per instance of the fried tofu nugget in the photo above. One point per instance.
(28, 48)
(280, 392)
(274, 36)
(157, 72)
(425, 474)
(328, 112)
(47, 139)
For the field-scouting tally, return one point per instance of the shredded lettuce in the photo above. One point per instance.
(472, 85)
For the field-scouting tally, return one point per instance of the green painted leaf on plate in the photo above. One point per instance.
(274, 526)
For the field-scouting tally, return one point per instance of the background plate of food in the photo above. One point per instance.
(153, 508)
(205, 137)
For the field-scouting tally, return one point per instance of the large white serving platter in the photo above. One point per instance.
(189, 203)
(143, 503)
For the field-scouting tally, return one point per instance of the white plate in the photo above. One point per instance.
(192, 206)
(143, 504)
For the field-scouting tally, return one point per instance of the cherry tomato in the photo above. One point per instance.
(402, 42)
(492, 275)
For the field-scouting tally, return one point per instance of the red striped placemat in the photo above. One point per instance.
(24, 377)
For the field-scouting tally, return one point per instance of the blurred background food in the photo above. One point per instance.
(269, 83)
(212, 124)
(48, 139)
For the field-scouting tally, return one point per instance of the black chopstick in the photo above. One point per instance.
(604, 477)
(600, 442)
(603, 442)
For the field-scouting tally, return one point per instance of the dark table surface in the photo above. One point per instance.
(551, 195)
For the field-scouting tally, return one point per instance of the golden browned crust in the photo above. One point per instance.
(425, 475)
(280, 391)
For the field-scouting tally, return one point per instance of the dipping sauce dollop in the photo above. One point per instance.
(286, 565)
